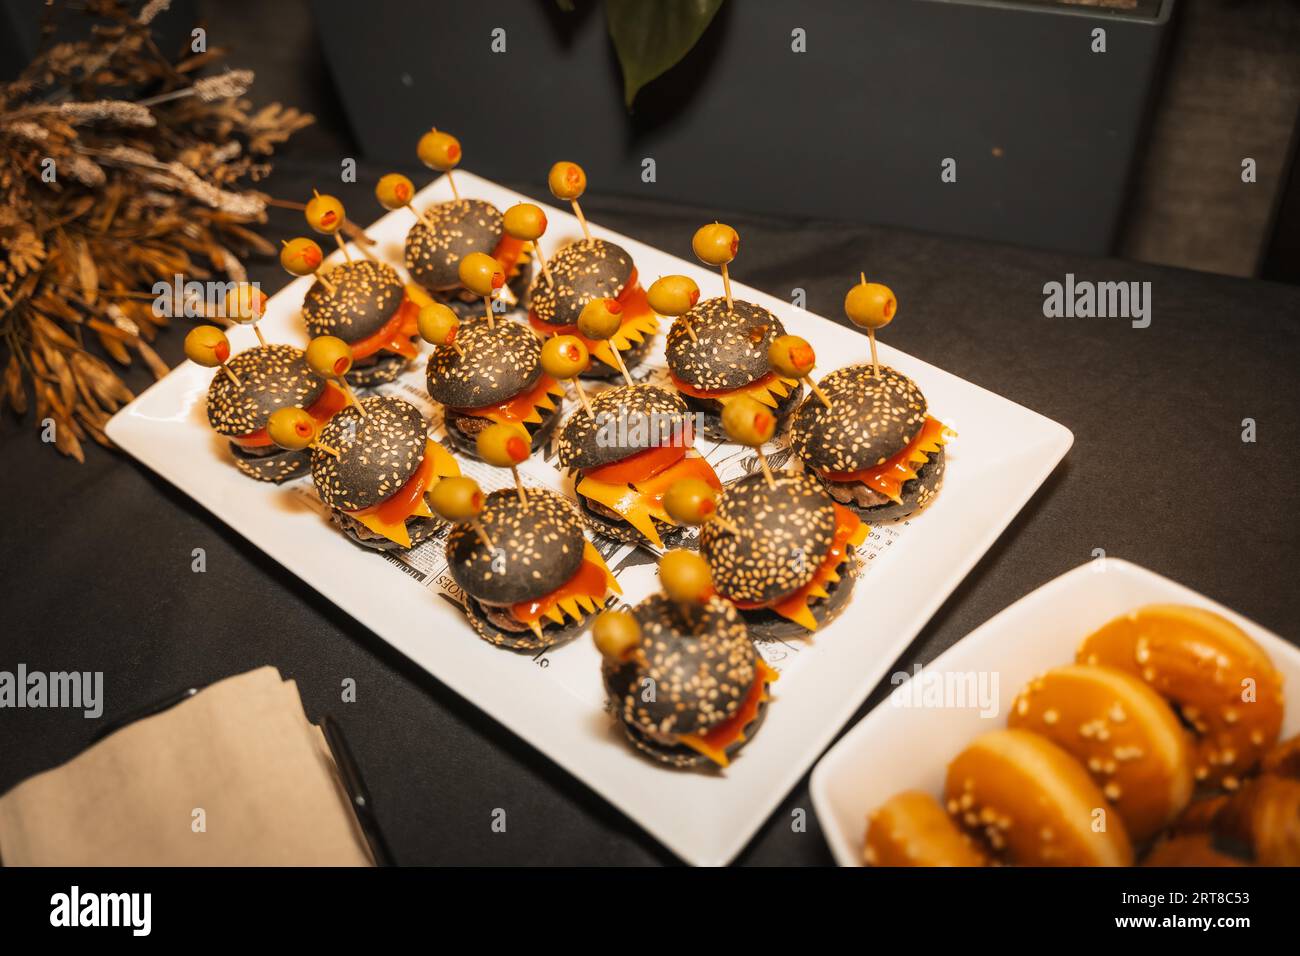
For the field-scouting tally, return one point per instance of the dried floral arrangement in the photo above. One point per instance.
(119, 167)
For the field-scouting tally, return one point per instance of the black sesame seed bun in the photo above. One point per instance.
(730, 348)
(583, 270)
(366, 296)
(701, 676)
(272, 464)
(875, 508)
(784, 534)
(462, 226)
(272, 377)
(871, 419)
(498, 364)
(378, 453)
(625, 420)
(539, 547)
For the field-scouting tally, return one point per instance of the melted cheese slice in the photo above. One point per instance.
(641, 503)
(582, 594)
(889, 476)
(717, 740)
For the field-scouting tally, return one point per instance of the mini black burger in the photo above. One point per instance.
(583, 271)
(248, 388)
(711, 687)
(493, 374)
(529, 575)
(633, 446)
(782, 553)
(876, 450)
(373, 465)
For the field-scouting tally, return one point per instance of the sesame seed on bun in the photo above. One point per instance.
(871, 419)
(539, 546)
(462, 226)
(583, 270)
(782, 535)
(498, 363)
(729, 349)
(366, 296)
(625, 420)
(378, 453)
(272, 377)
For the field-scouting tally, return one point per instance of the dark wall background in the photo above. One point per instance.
(1229, 87)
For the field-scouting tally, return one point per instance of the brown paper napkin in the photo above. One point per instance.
(242, 751)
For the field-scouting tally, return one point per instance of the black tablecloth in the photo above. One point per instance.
(96, 561)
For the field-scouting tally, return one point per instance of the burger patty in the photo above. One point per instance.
(420, 529)
(856, 493)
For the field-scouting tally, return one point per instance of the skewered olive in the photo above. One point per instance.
(324, 214)
(715, 244)
(440, 151)
(503, 445)
(600, 318)
(690, 501)
(330, 356)
(301, 256)
(685, 576)
(791, 356)
(291, 428)
(249, 302)
(438, 324)
(870, 305)
(748, 422)
(394, 191)
(481, 274)
(564, 356)
(524, 221)
(457, 498)
(567, 181)
(207, 345)
(616, 634)
(673, 295)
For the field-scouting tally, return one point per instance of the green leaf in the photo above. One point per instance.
(650, 38)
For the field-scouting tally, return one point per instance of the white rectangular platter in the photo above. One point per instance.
(1002, 453)
(899, 747)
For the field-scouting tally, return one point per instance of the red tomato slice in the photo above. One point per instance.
(330, 401)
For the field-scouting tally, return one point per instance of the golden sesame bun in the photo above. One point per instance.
(1031, 803)
(1124, 735)
(911, 829)
(1223, 684)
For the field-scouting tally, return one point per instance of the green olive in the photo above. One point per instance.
(291, 428)
(616, 634)
(481, 274)
(690, 501)
(870, 305)
(207, 345)
(567, 181)
(564, 356)
(685, 576)
(715, 244)
(503, 445)
(600, 318)
(438, 324)
(440, 151)
(301, 256)
(394, 191)
(324, 214)
(247, 304)
(329, 356)
(457, 498)
(524, 221)
(791, 356)
(748, 422)
(673, 295)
